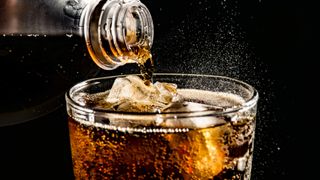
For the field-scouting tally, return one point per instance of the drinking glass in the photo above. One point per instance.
(211, 138)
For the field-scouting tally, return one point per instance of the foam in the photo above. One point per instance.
(220, 99)
(196, 100)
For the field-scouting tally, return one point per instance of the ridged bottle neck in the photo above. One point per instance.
(117, 32)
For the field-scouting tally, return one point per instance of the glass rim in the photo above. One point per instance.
(249, 103)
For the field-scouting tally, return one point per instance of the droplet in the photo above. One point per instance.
(69, 35)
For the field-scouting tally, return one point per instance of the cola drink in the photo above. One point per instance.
(194, 134)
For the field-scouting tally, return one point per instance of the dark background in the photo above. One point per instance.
(267, 44)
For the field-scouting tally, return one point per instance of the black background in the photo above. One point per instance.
(267, 44)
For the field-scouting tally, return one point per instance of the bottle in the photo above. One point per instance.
(45, 47)
(116, 31)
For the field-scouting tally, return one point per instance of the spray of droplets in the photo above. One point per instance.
(211, 39)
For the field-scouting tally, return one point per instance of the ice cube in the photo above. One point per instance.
(199, 153)
(190, 119)
(167, 92)
(131, 94)
(129, 87)
(192, 122)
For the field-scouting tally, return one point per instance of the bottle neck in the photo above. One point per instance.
(117, 32)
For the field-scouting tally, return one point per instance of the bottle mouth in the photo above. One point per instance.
(115, 30)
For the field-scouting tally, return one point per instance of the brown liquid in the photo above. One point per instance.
(130, 51)
(145, 63)
(209, 153)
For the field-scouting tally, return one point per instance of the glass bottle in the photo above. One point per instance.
(116, 32)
